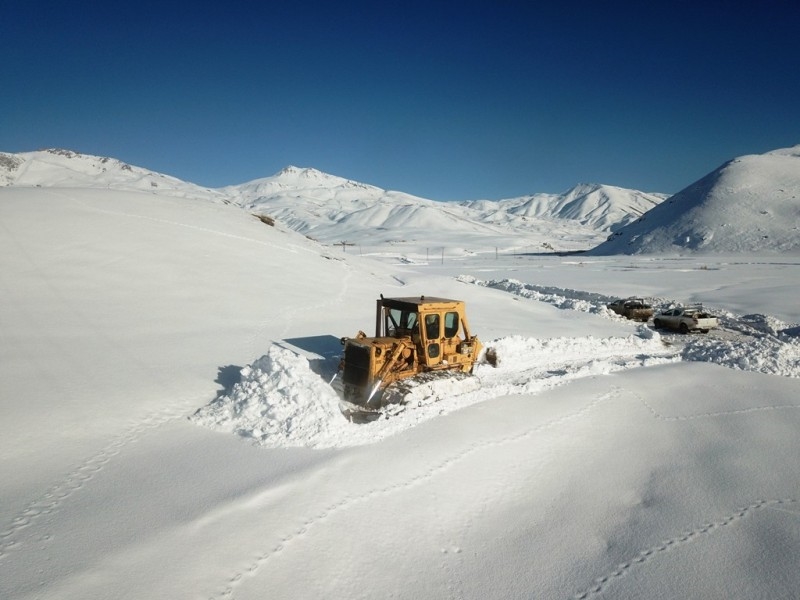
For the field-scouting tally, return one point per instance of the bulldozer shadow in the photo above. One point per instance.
(227, 377)
(322, 351)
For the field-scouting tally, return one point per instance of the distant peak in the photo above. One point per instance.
(301, 172)
(791, 151)
(586, 186)
(61, 152)
(291, 169)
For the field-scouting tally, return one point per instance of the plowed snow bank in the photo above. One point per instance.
(281, 402)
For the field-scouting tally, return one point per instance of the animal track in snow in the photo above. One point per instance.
(697, 534)
(345, 503)
(77, 479)
(706, 415)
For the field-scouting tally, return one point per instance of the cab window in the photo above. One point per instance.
(432, 327)
(450, 324)
(401, 321)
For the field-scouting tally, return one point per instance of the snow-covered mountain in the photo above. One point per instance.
(333, 209)
(57, 167)
(749, 204)
(327, 207)
(602, 207)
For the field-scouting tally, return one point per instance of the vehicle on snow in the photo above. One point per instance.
(632, 308)
(686, 319)
(414, 337)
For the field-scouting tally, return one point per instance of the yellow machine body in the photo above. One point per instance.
(413, 335)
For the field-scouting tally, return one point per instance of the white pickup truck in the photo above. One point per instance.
(686, 319)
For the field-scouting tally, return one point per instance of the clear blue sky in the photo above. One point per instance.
(445, 100)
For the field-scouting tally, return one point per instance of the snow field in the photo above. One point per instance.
(572, 472)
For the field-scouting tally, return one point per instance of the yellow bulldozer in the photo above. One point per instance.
(415, 338)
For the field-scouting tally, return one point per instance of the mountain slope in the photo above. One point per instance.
(749, 204)
(333, 209)
(602, 207)
(63, 168)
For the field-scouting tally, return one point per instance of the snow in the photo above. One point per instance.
(168, 429)
(749, 204)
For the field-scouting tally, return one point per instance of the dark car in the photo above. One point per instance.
(632, 308)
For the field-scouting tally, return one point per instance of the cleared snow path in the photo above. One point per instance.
(281, 402)
(753, 342)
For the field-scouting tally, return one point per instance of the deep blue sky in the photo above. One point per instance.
(446, 100)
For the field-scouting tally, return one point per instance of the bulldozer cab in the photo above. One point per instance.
(413, 336)
(437, 326)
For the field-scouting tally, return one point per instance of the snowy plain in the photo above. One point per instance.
(168, 432)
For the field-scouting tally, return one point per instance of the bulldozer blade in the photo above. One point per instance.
(356, 413)
(375, 388)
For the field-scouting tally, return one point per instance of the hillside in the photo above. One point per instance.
(168, 429)
(749, 204)
(57, 167)
(333, 209)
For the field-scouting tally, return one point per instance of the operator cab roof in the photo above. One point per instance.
(413, 303)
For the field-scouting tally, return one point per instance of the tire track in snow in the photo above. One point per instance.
(648, 555)
(347, 502)
(76, 479)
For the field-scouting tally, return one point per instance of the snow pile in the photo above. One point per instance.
(764, 354)
(566, 299)
(530, 365)
(279, 401)
(760, 343)
(753, 342)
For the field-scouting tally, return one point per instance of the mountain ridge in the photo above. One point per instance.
(748, 204)
(331, 208)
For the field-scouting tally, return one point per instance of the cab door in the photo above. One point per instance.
(431, 325)
(452, 335)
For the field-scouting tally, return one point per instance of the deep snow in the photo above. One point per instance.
(150, 450)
